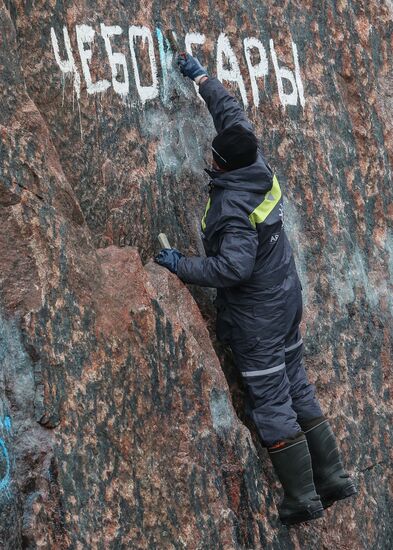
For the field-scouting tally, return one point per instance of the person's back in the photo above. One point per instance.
(255, 194)
(259, 307)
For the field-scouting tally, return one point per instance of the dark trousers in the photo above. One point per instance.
(268, 350)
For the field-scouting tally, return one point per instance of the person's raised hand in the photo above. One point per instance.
(190, 66)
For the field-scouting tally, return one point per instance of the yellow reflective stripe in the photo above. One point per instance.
(203, 222)
(270, 201)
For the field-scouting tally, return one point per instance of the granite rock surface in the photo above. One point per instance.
(122, 421)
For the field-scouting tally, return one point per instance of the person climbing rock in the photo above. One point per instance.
(259, 306)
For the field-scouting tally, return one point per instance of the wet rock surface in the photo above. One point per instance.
(117, 428)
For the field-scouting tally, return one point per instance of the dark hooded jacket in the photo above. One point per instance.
(242, 228)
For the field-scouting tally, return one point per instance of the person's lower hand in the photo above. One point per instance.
(169, 258)
(190, 66)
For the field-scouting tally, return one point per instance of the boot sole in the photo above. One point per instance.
(302, 517)
(345, 492)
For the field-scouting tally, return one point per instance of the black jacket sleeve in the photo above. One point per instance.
(224, 108)
(232, 265)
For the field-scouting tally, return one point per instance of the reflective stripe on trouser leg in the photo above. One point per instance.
(302, 392)
(258, 340)
(264, 374)
(294, 346)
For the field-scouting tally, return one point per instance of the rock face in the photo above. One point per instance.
(117, 428)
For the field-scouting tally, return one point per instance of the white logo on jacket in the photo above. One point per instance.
(281, 212)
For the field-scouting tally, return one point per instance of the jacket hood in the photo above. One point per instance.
(255, 178)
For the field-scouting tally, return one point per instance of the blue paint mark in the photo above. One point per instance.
(7, 424)
(163, 61)
(5, 480)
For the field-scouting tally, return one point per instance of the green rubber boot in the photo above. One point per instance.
(292, 464)
(331, 480)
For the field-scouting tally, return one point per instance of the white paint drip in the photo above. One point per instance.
(256, 71)
(224, 50)
(63, 88)
(80, 120)
(85, 35)
(68, 65)
(297, 75)
(116, 60)
(283, 73)
(190, 39)
(73, 99)
(145, 92)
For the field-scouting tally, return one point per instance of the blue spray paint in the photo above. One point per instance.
(6, 479)
(163, 61)
(7, 424)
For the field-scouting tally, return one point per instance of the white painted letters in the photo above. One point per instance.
(85, 35)
(194, 38)
(256, 71)
(116, 60)
(68, 65)
(224, 49)
(282, 73)
(145, 92)
(289, 82)
(297, 75)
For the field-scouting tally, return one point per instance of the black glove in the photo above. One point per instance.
(190, 66)
(169, 258)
